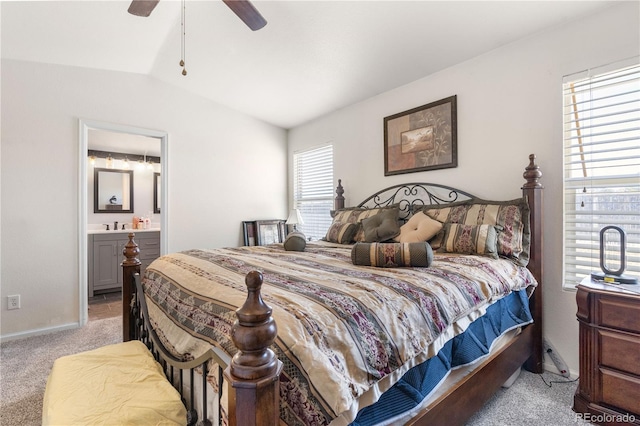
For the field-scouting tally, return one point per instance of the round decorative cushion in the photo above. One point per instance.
(295, 241)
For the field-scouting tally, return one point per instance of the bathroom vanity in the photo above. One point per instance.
(105, 255)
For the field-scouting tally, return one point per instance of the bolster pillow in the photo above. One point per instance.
(295, 242)
(392, 255)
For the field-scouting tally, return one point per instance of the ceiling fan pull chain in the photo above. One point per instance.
(183, 37)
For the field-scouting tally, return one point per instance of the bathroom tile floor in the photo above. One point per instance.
(105, 305)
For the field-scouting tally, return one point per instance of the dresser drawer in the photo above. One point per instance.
(609, 352)
(150, 254)
(149, 246)
(621, 391)
(619, 314)
(620, 351)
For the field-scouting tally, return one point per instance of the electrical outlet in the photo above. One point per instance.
(13, 302)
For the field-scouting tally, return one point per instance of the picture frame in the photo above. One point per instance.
(249, 231)
(156, 192)
(270, 231)
(422, 138)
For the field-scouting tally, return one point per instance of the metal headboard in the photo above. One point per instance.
(409, 196)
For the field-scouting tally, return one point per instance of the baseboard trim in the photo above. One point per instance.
(38, 332)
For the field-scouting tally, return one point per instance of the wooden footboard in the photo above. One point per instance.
(253, 373)
(254, 397)
(176, 370)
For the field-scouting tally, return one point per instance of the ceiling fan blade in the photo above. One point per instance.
(247, 12)
(142, 7)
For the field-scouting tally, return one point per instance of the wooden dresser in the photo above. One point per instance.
(609, 387)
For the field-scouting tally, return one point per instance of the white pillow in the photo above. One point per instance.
(419, 228)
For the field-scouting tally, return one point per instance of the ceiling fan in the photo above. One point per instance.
(243, 8)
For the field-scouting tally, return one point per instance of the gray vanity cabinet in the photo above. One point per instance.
(105, 256)
(149, 246)
(106, 249)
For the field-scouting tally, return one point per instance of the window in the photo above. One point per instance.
(313, 190)
(601, 167)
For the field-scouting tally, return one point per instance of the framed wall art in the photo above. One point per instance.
(422, 138)
(269, 232)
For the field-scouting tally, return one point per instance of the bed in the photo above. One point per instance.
(318, 338)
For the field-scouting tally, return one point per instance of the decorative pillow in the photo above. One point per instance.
(470, 239)
(511, 216)
(341, 232)
(419, 227)
(382, 226)
(436, 241)
(295, 242)
(357, 215)
(392, 255)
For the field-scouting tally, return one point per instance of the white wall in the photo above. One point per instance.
(223, 167)
(509, 105)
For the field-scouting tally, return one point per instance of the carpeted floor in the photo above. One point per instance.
(530, 401)
(25, 366)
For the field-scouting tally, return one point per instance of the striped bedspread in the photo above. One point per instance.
(346, 333)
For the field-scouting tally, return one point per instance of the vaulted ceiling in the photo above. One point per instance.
(313, 57)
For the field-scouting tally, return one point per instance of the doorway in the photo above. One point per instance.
(121, 139)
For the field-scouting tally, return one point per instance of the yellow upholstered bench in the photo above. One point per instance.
(119, 384)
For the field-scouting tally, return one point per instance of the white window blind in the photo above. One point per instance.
(601, 168)
(313, 189)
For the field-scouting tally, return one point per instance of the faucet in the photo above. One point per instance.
(107, 225)
(115, 226)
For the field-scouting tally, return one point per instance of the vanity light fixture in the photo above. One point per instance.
(121, 159)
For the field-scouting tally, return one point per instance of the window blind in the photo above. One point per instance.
(313, 189)
(601, 168)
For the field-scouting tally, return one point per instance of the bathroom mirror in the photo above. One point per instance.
(113, 191)
(156, 192)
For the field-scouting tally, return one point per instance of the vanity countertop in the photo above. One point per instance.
(121, 231)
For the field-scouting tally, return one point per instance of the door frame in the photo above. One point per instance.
(84, 125)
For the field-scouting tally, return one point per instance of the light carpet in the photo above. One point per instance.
(25, 365)
(532, 400)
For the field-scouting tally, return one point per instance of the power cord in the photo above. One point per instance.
(551, 382)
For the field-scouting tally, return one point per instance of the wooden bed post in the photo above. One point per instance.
(338, 202)
(254, 371)
(533, 190)
(130, 266)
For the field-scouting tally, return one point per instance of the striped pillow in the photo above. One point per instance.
(392, 255)
(470, 239)
(341, 233)
(511, 217)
